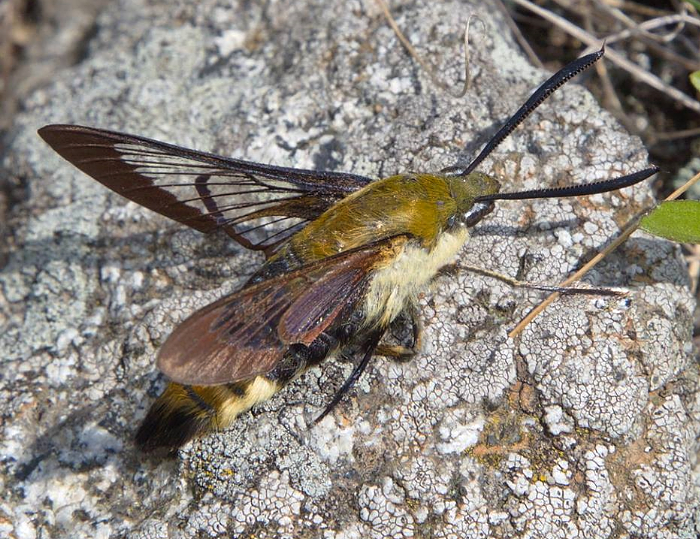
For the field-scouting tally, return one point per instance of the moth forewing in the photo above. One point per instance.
(204, 191)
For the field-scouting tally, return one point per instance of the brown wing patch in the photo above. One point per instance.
(247, 333)
(259, 206)
(317, 306)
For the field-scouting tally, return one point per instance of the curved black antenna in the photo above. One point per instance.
(575, 190)
(543, 92)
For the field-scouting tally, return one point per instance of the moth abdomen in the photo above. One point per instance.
(184, 412)
(178, 415)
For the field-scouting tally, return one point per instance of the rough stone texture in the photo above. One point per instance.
(585, 426)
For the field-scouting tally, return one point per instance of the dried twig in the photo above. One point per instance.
(425, 65)
(675, 135)
(594, 42)
(519, 37)
(629, 230)
(663, 51)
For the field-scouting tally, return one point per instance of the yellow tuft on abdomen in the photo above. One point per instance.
(259, 389)
(184, 412)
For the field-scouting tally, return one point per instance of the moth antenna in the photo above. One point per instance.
(575, 190)
(543, 92)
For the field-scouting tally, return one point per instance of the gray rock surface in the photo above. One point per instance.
(584, 426)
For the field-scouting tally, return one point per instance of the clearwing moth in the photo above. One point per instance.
(346, 257)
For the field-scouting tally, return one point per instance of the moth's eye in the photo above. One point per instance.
(451, 220)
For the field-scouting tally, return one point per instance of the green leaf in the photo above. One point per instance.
(694, 3)
(695, 80)
(677, 220)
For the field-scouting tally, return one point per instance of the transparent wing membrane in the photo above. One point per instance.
(260, 206)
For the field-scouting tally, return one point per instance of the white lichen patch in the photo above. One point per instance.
(664, 476)
(593, 507)
(424, 479)
(383, 510)
(591, 373)
(333, 441)
(664, 339)
(557, 421)
(458, 433)
(274, 505)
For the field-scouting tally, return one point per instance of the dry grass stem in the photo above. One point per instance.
(430, 71)
(594, 42)
(626, 233)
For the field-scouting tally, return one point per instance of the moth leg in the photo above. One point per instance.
(299, 358)
(546, 288)
(369, 347)
(400, 352)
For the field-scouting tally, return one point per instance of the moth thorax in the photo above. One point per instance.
(477, 212)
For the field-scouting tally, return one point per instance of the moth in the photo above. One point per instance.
(346, 258)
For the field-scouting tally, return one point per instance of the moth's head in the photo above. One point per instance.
(466, 189)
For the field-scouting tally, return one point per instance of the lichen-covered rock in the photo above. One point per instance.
(583, 426)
